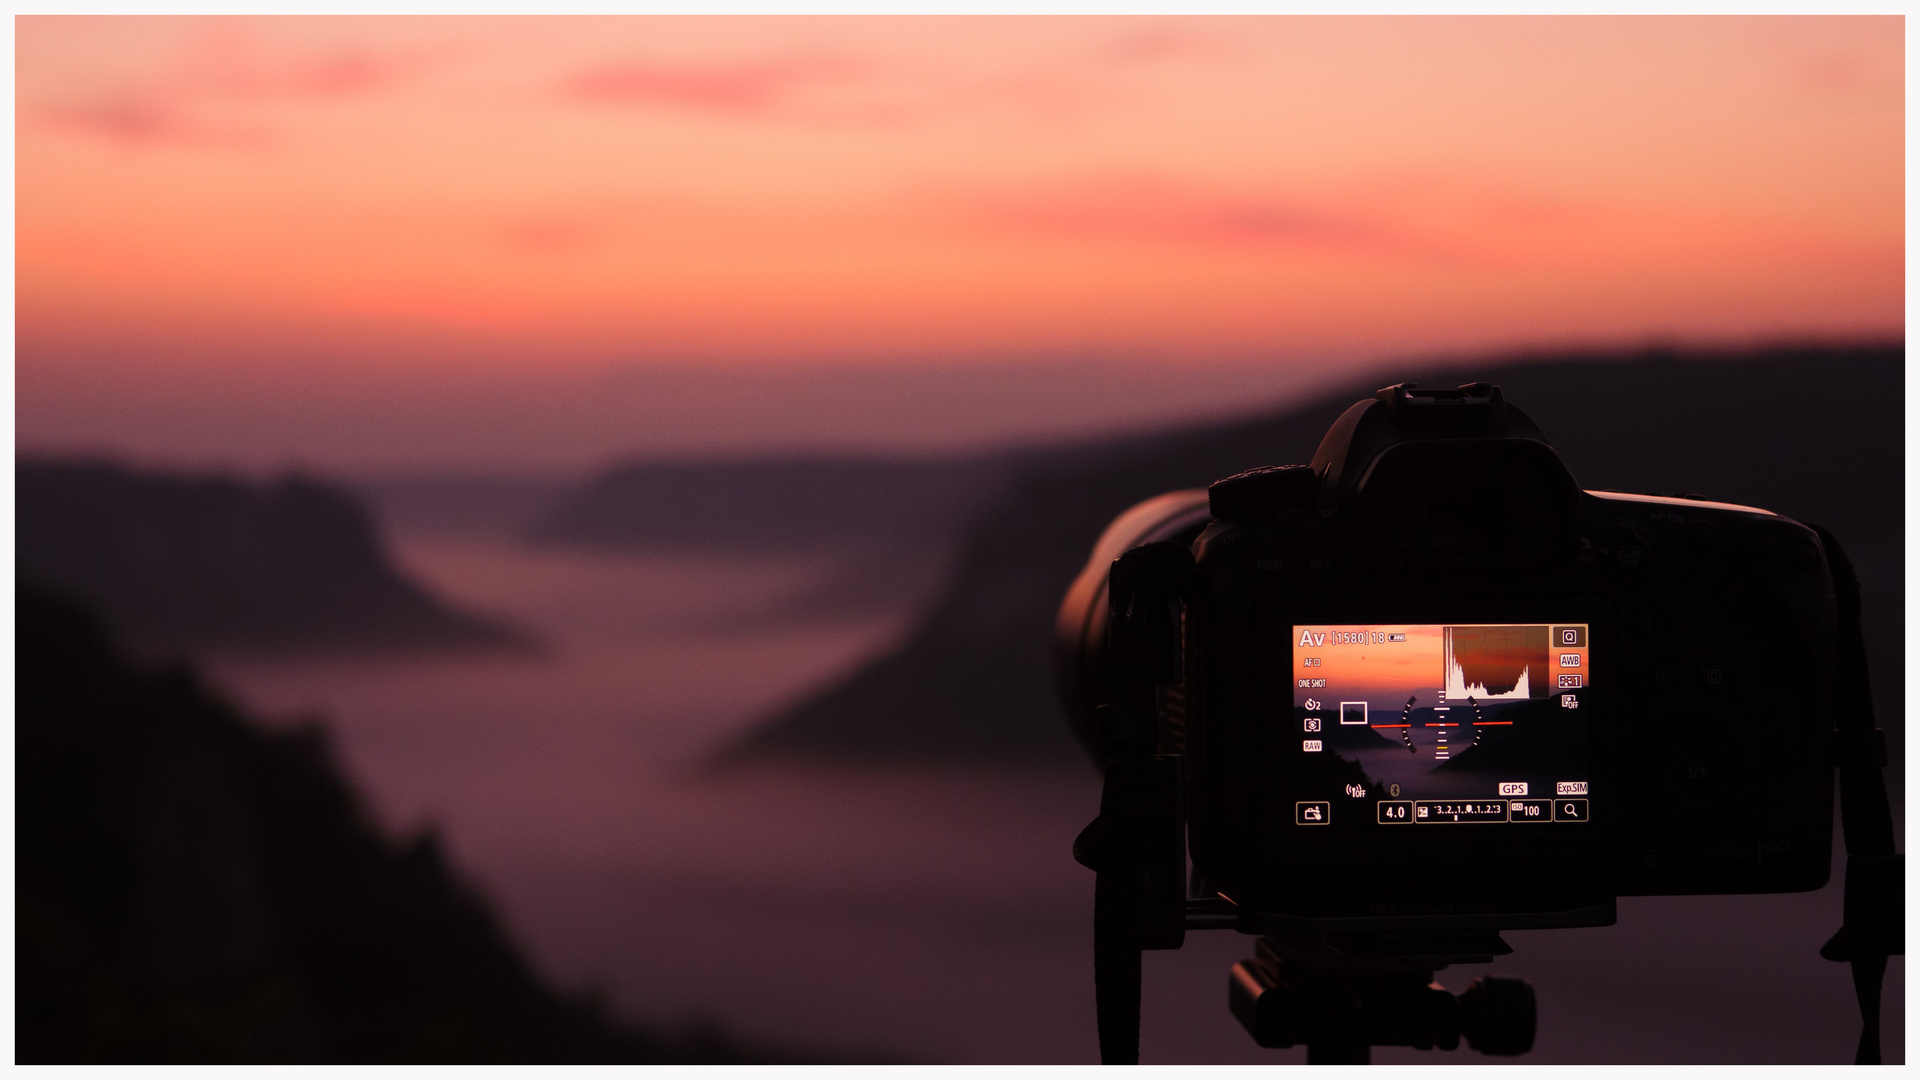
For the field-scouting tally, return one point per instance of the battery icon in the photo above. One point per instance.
(1396, 637)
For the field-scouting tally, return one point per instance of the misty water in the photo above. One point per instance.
(929, 914)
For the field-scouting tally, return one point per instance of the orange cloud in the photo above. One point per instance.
(744, 88)
(135, 119)
(1169, 41)
(1162, 211)
(188, 97)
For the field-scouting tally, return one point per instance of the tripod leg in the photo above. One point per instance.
(1868, 972)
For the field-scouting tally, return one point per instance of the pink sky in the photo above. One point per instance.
(225, 220)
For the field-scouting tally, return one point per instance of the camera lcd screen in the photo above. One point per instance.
(1408, 726)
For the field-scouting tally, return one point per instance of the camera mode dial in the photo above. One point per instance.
(1269, 493)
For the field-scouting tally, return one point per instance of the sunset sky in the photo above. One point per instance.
(425, 242)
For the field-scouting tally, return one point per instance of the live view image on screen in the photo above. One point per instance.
(1441, 724)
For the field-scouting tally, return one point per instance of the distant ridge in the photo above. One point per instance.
(213, 562)
(1814, 432)
(805, 503)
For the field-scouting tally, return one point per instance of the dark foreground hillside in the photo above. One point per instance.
(1815, 433)
(193, 889)
(190, 562)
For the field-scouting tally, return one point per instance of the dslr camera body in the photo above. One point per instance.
(1428, 688)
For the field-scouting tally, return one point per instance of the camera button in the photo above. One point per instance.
(1627, 553)
(1271, 492)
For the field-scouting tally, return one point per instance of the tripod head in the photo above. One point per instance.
(1341, 995)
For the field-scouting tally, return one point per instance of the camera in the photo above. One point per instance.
(1426, 689)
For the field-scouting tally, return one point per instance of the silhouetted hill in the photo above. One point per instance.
(473, 506)
(190, 562)
(1814, 433)
(191, 888)
(781, 504)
